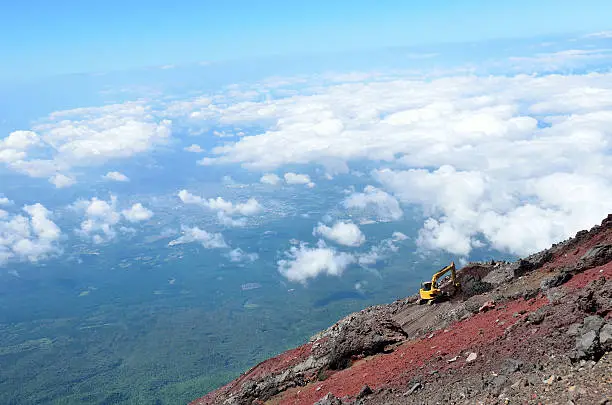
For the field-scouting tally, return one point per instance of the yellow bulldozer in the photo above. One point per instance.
(431, 292)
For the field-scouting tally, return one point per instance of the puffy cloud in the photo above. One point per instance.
(463, 207)
(61, 181)
(239, 256)
(84, 137)
(446, 236)
(28, 238)
(303, 262)
(207, 239)
(250, 207)
(226, 220)
(15, 147)
(137, 213)
(20, 140)
(270, 178)
(102, 217)
(344, 233)
(225, 209)
(294, 178)
(382, 205)
(5, 201)
(398, 236)
(116, 176)
(194, 148)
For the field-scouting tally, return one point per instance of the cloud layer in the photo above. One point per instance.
(479, 155)
(83, 137)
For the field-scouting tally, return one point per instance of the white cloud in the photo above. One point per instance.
(380, 251)
(20, 140)
(601, 34)
(226, 210)
(270, 178)
(250, 207)
(239, 256)
(304, 263)
(294, 178)
(226, 220)
(382, 205)
(84, 137)
(477, 150)
(116, 176)
(194, 148)
(61, 181)
(462, 206)
(207, 239)
(102, 217)
(137, 213)
(344, 233)
(398, 236)
(5, 201)
(32, 238)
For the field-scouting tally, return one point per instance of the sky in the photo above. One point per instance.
(470, 139)
(40, 38)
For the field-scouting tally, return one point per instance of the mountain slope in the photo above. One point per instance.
(533, 331)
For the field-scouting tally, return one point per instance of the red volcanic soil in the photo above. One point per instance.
(582, 279)
(273, 365)
(406, 361)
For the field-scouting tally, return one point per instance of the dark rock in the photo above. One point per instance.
(471, 286)
(511, 366)
(498, 383)
(329, 399)
(365, 391)
(592, 323)
(536, 317)
(588, 345)
(555, 280)
(605, 337)
(532, 262)
(531, 293)
(597, 297)
(574, 329)
(362, 333)
(597, 256)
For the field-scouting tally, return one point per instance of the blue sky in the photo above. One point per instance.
(42, 38)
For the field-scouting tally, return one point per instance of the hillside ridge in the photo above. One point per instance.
(537, 330)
